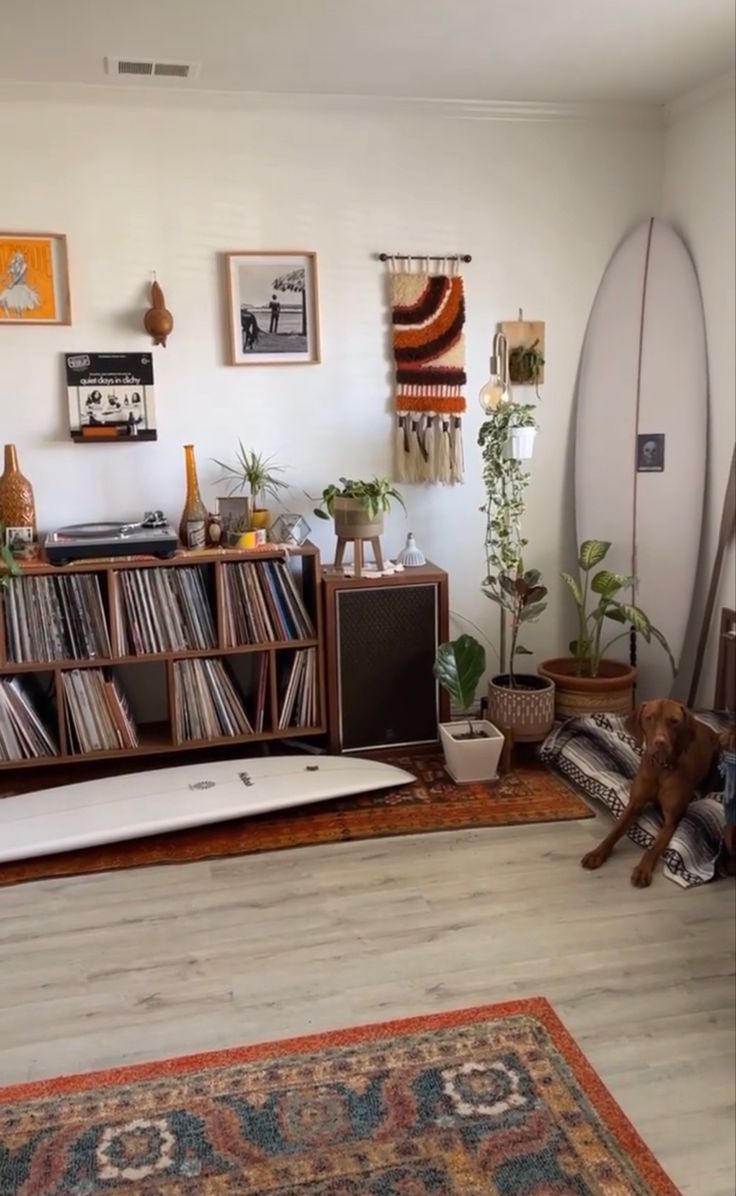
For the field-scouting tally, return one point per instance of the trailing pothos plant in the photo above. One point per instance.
(589, 647)
(516, 590)
(526, 363)
(459, 666)
(375, 497)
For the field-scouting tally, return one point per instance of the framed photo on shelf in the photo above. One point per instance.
(272, 308)
(34, 279)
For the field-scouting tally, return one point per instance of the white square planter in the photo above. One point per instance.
(471, 759)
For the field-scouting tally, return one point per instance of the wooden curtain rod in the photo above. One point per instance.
(425, 257)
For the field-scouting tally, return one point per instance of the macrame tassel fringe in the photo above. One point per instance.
(429, 448)
(457, 468)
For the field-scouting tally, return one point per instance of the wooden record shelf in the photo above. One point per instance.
(161, 737)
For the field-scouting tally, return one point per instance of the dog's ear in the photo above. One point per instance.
(687, 729)
(633, 725)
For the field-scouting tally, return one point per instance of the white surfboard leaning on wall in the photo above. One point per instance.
(640, 446)
(146, 803)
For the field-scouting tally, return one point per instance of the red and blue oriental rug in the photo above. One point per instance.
(486, 1102)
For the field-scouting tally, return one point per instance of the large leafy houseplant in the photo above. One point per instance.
(254, 472)
(516, 590)
(459, 666)
(590, 646)
(375, 497)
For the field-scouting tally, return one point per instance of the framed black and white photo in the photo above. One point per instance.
(272, 308)
(110, 396)
(650, 452)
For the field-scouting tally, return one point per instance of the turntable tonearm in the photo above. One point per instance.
(152, 536)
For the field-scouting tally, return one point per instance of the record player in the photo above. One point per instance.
(152, 536)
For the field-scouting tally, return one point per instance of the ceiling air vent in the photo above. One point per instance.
(147, 69)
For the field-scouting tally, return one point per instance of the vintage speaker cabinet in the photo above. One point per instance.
(381, 637)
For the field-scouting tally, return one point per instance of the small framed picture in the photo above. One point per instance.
(34, 279)
(234, 514)
(19, 539)
(272, 308)
(650, 452)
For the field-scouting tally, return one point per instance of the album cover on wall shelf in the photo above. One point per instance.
(111, 396)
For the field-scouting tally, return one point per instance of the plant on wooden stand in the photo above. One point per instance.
(521, 703)
(587, 680)
(374, 498)
(473, 747)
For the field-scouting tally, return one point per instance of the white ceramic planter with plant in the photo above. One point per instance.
(473, 746)
(522, 703)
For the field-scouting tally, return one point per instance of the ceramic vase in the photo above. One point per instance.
(17, 507)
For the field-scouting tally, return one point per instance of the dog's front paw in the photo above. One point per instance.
(641, 877)
(593, 859)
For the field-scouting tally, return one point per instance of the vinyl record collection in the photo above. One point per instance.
(208, 705)
(298, 706)
(164, 610)
(98, 716)
(23, 735)
(55, 618)
(263, 604)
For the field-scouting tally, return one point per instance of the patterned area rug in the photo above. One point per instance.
(529, 793)
(487, 1102)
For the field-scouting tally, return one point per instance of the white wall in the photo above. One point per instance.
(540, 206)
(699, 200)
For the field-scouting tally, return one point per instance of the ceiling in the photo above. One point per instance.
(546, 51)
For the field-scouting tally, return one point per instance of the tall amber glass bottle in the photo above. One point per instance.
(194, 516)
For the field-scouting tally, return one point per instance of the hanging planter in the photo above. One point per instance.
(520, 443)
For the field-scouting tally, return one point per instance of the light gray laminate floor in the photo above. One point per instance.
(111, 969)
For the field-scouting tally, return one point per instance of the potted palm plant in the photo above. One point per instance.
(472, 747)
(587, 681)
(520, 702)
(256, 474)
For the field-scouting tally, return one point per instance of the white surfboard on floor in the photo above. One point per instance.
(146, 803)
(643, 374)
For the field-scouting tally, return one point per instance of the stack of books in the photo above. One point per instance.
(164, 610)
(207, 704)
(55, 618)
(23, 735)
(263, 604)
(299, 693)
(98, 716)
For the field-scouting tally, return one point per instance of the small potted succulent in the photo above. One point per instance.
(256, 474)
(587, 681)
(472, 747)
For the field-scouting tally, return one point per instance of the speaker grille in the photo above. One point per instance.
(387, 642)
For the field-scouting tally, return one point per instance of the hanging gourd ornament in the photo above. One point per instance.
(158, 320)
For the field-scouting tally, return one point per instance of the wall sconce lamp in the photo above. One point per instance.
(497, 392)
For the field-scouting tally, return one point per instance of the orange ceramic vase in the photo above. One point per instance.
(17, 507)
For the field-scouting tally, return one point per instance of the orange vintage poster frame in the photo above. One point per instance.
(34, 279)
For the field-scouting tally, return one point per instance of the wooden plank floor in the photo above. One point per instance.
(128, 966)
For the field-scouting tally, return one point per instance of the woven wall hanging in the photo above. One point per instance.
(428, 316)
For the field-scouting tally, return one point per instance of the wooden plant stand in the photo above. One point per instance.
(374, 541)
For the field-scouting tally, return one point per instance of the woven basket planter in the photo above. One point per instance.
(527, 711)
(611, 692)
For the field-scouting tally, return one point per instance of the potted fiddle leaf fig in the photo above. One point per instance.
(588, 681)
(472, 747)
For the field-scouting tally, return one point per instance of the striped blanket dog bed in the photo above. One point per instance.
(601, 759)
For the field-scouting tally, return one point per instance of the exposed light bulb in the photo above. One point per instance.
(496, 393)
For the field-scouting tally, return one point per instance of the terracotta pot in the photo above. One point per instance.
(527, 711)
(352, 521)
(611, 692)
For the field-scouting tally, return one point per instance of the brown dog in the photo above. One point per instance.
(679, 752)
